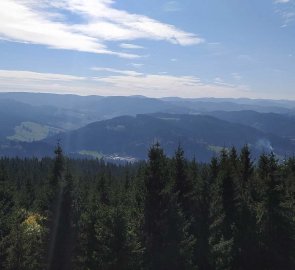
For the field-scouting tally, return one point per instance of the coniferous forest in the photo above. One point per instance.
(165, 213)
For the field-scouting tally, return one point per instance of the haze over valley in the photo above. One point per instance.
(123, 128)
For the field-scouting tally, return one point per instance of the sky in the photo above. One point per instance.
(155, 48)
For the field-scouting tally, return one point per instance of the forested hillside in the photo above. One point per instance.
(123, 127)
(166, 213)
(284, 127)
(128, 138)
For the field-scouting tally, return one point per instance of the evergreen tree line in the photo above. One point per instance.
(165, 213)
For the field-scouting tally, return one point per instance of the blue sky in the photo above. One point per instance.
(156, 48)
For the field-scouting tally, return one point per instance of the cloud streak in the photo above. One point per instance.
(130, 46)
(37, 76)
(20, 23)
(282, 1)
(286, 11)
(119, 71)
(124, 83)
(48, 23)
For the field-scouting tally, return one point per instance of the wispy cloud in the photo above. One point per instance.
(29, 75)
(222, 82)
(29, 81)
(130, 46)
(285, 9)
(288, 16)
(119, 71)
(20, 22)
(237, 76)
(136, 65)
(121, 82)
(282, 1)
(47, 23)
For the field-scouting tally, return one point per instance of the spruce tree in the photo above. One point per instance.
(202, 179)
(274, 217)
(246, 236)
(223, 214)
(166, 241)
(58, 165)
(183, 186)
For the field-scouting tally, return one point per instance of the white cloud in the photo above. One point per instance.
(288, 16)
(18, 22)
(221, 82)
(163, 85)
(136, 65)
(46, 23)
(126, 83)
(286, 11)
(28, 81)
(124, 25)
(37, 76)
(119, 71)
(130, 46)
(237, 76)
(282, 1)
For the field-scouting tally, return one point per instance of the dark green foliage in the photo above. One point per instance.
(223, 216)
(166, 213)
(58, 164)
(200, 135)
(183, 185)
(246, 234)
(274, 217)
(166, 238)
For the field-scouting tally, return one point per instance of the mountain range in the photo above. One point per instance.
(123, 128)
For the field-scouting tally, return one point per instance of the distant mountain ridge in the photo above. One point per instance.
(126, 136)
(279, 124)
(70, 101)
(99, 126)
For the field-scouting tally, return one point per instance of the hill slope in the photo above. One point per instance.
(199, 135)
(279, 124)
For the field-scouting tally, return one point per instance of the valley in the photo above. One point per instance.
(123, 128)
